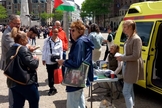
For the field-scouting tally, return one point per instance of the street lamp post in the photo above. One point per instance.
(39, 13)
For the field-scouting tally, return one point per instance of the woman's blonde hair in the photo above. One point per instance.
(18, 35)
(130, 23)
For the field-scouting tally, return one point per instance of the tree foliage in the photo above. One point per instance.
(18, 12)
(95, 7)
(3, 12)
(45, 15)
(58, 15)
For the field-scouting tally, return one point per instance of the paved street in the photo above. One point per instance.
(144, 98)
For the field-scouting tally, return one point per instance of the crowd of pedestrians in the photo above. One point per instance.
(86, 45)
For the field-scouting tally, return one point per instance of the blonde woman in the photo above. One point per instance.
(132, 61)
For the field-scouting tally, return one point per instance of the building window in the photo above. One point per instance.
(43, 1)
(19, 1)
(15, 6)
(9, 3)
(9, 7)
(9, 12)
(34, 6)
(43, 5)
(35, 12)
(117, 5)
(34, 1)
(125, 11)
(15, 1)
(122, 12)
(15, 11)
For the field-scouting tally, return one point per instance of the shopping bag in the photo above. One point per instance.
(76, 77)
(58, 76)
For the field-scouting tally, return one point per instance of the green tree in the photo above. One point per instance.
(3, 12)
(44, 16)
(58, 15)
(18, 12)
(51, 15)
(95, 8)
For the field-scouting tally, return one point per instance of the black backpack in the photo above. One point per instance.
(111, 36)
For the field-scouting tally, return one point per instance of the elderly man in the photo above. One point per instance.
(6, 43)
(62, 36)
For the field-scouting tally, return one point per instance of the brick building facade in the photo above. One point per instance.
(35, 7)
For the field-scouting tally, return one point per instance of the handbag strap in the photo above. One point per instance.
(17, 50)
(50, 45)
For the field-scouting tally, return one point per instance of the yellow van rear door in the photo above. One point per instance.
(144, 30)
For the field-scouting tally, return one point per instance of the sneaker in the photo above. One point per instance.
(52, 92)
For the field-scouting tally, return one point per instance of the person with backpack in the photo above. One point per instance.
(109, 42)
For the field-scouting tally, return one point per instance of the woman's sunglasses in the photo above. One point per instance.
(72, 30)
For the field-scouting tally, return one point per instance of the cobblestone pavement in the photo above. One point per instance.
(143, 99)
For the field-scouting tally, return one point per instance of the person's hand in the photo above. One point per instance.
(60, 62)
(119, 58)
(35, 57)
(44, 62)
(31, 48)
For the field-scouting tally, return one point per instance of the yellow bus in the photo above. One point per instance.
(148, 18)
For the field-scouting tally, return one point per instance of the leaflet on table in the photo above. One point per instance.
(100, 73)
(102, 64)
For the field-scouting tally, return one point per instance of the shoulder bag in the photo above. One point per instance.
(76, 77)
(16, 71)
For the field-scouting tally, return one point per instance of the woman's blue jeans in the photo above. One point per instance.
(128, 94)
(25, 92)
(75, 99)
(128, 91)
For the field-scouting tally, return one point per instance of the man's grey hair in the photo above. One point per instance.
(57, 22)
(12, 17)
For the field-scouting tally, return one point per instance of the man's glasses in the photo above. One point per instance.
(16, 23)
